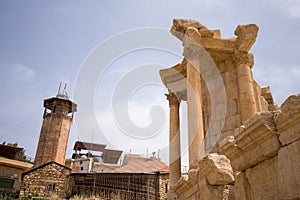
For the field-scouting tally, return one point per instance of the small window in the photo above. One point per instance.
(81, 168)
(80, 162)
(7, 183)
(50, 187)
(166, 187)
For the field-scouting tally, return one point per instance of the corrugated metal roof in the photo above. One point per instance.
(111, 156)
(88, 146)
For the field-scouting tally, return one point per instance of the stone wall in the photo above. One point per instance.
(265, 153)
(53, 139)
(261, 161)
(163, 185)
(213, 179)
(50, 178)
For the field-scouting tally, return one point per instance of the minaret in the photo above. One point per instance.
(54, 136)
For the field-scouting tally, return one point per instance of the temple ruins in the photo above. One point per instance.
(241, 145)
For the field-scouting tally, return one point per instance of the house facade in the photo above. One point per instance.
(46, 180)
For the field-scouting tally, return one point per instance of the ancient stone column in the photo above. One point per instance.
(195, 115)
(174, 148)
(246, 86)
(193, 53)
(246, 37)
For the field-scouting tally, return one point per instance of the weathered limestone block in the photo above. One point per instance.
(216, 192)
(188, 188)
(232, 122)
(229, 193)
(181, 25)
(252, 143)
(263, 180)
(288, 120)
(242, 187)
(267, 96)
(289, 171)
(246, 36)
(217, 169)
(264, 104)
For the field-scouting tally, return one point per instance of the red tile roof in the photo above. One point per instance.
(144, 165)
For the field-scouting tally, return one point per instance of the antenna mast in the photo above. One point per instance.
(59, 87)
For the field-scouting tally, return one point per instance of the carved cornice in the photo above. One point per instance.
(253, 142)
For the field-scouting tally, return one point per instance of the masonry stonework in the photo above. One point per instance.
(252, 149)
(54, 136)
(46, 180)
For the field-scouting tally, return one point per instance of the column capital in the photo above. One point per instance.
(173, 99)
(243, 58)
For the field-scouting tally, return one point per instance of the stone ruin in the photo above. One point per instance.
(241, 145)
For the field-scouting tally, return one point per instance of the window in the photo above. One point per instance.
(81, 168)
(7, 183)
(50, 187)
(166, 187)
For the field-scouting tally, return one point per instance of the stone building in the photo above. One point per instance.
(11, 169)
(237, 135)
(50, 175)
(54, 136)
(46, 180)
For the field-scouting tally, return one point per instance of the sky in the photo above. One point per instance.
(45, 42)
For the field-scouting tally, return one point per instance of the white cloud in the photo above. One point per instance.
(289, 7)
(24, 73)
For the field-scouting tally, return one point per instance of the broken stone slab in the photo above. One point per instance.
(288, 120)
(217, 169)
(253, 142)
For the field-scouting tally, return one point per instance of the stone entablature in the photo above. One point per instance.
(253, 142)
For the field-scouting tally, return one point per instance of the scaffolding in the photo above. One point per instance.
(126, 186)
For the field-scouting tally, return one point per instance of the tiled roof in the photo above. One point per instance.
(144, 165)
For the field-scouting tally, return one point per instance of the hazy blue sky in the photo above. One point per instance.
(45, 42)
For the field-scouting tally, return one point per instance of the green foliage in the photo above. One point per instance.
(5, 197)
